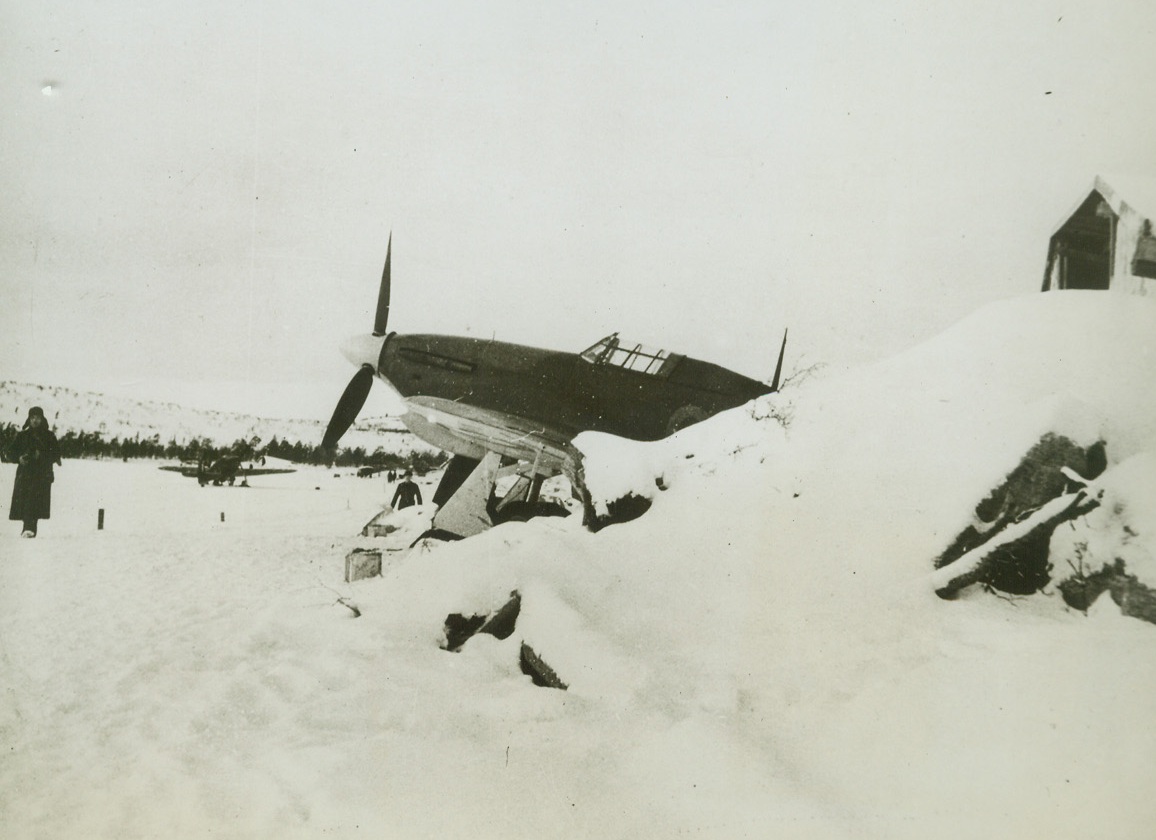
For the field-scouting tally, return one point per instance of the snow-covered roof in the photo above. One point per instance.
(1136, 191)
(1120, 190)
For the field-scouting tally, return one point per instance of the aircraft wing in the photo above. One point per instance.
(471, 431)
(262, 471)
(185, 470)
(193, 472)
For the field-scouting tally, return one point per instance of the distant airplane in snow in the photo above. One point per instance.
(239, 461)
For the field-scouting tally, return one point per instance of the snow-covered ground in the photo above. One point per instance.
(760, 655)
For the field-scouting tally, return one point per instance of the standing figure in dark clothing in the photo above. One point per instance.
(407, 493)
(35, 450)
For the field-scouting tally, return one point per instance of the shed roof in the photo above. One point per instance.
(1121, 191)
(1136, 191)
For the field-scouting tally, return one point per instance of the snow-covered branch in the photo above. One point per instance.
(971, 566)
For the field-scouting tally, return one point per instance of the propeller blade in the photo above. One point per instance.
(779, 366)
(348, 407)
(381, 318)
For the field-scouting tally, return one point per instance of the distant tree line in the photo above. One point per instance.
(94, 445)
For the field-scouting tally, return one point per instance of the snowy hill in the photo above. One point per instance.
(112, 416)
(761, 654)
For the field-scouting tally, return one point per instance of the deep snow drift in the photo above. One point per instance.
(761, 654)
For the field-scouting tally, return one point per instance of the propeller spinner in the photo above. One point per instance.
(362, 350)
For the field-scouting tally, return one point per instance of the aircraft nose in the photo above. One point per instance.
(363, 349)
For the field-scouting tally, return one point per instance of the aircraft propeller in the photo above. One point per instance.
(381, 316)
(361, 349)
(779, 366)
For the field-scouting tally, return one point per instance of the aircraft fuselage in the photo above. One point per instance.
(562, 391)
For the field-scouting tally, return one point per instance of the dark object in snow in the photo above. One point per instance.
(501, 625)
(537, 670)
(362, 563)
(459, 629)
(1020, 566)
(352, 607)
(524, 511)
(1134, 598)
(1081, 591)
(625, 509)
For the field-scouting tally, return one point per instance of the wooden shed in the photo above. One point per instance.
(1107, 242)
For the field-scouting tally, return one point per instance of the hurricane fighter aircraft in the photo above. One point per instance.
(491, 403)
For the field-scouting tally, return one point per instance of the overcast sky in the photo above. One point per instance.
(200, 194)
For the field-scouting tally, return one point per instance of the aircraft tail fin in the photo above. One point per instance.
(779, 366)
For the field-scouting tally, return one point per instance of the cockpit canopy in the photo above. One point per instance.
(637, 357)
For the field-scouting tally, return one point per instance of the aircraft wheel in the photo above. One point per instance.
(688, 415)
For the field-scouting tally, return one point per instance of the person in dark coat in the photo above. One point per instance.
(35, 450)
(407, 493)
